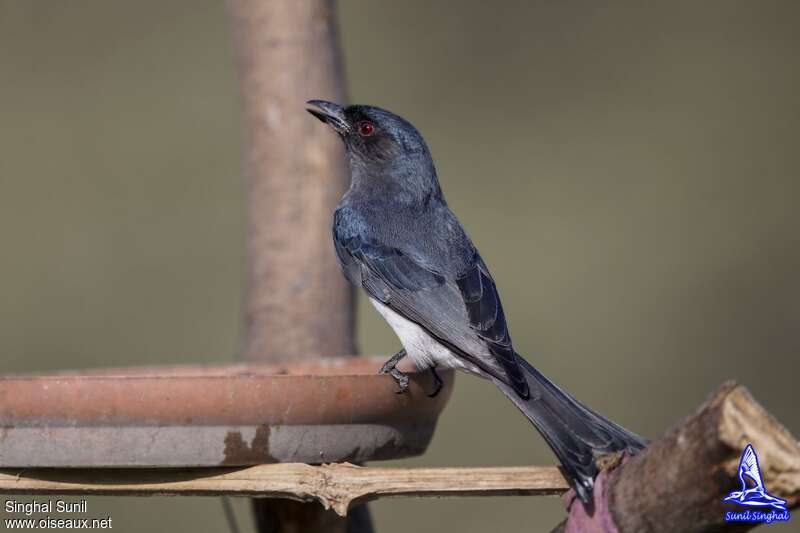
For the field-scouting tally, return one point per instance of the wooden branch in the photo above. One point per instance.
(336, 486)
(677, 483)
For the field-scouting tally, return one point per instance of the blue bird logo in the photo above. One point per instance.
(754, 495)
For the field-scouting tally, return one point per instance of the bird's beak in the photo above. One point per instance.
(329, 113)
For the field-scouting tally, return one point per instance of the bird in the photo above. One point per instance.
(396, 238)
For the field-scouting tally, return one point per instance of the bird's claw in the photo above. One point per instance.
(389, 367)
(438, 383)
(402, 380)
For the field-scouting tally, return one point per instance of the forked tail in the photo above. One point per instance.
(576, 434)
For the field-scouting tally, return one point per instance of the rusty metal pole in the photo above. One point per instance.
(297, 305)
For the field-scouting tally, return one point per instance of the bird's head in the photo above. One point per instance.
(380, 146)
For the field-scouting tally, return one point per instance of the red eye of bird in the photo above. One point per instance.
(365, 129)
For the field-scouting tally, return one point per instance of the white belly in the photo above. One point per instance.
(423, 349)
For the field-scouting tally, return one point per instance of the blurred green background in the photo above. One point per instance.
(629, 173)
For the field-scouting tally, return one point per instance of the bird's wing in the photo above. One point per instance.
(465, 313)
(749, 465)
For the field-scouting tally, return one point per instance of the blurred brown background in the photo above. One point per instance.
(629, 173)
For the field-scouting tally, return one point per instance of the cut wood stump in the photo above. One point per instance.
(677, 483)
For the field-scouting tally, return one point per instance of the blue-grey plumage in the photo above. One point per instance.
(396, 238)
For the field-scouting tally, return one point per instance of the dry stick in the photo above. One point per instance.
(336, 486)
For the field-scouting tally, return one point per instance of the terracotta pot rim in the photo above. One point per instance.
(344, 366)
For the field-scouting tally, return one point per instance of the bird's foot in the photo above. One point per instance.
(389, 367)
(401, 378)
(438, 383)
